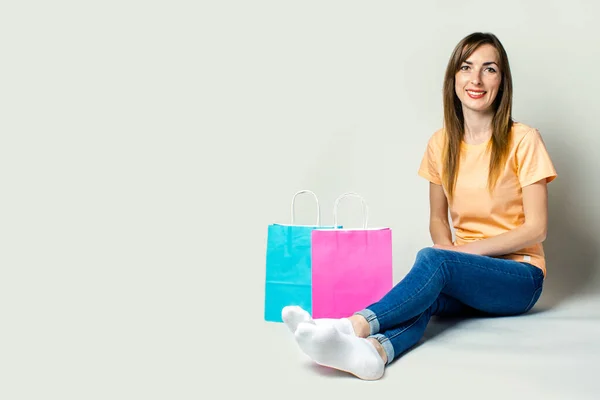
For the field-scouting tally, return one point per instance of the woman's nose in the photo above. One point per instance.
(475, 79)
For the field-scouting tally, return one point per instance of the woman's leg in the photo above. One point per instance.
(395, 341)
(492, 285)
(489, 285)
(366, 357)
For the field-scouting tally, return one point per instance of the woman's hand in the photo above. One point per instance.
(461, 249)
(445, 247)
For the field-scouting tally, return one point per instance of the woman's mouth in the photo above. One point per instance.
(476, 94)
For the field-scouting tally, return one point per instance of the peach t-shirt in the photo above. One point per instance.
(477, 215)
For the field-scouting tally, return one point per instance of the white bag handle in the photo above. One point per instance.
(364, 204)
(294, 208)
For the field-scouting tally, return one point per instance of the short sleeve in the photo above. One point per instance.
(533, 160)
(429, 168)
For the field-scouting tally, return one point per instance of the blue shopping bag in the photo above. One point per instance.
(288, 264)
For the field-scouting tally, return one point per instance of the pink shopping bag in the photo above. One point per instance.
(351, 268)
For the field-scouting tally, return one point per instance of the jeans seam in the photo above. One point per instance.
(492, 269)
(417, 293)
(535, 293)
(408, 327)
(381, 338)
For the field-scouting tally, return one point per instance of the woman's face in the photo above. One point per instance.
(478, 79)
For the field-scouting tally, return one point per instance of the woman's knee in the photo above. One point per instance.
(429, 253)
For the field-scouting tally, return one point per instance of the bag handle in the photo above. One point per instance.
(294, 206)
(364, 206)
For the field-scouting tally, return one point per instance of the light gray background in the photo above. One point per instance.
(146, 146)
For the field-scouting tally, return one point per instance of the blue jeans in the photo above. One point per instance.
(449, 283)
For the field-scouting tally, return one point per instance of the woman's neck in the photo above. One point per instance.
(478, 126)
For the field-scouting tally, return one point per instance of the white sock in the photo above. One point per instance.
(294, 315)
(329, 347)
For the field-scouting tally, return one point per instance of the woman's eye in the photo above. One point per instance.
(490, 69)
(464, 68)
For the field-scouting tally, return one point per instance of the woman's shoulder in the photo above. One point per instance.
(521, 130)
(437, 138)
(435, 143)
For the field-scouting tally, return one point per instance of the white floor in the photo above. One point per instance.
(551, 353)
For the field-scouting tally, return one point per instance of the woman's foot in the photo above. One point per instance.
(293, 316)
(329, 347)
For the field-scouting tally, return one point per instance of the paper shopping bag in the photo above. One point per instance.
(351, 268)
(289, 265)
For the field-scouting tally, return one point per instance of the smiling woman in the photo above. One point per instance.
(478, 80)
(491, 174)
(477, 103)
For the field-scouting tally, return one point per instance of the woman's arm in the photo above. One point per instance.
(439, 228)
(533, 230)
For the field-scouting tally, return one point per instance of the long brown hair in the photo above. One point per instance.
(454, 118)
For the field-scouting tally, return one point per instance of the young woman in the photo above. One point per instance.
(491, 173)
